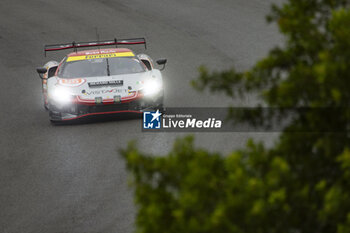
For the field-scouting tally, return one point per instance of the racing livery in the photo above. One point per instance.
(100, 81)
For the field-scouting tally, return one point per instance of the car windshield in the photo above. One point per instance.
(100, 67)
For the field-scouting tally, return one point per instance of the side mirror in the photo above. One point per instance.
(162, 61)
(41, 70)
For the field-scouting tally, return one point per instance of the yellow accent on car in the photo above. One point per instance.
(96, 56)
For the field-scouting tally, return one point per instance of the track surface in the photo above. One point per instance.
(70, 179)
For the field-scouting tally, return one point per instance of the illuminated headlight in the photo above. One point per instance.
(61, 95)
(151, 87)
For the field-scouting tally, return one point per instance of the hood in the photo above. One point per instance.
(104, 86)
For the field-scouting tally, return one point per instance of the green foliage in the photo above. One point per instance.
(252, 190)
(302, 184)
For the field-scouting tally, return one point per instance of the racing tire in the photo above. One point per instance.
(53, 122)
(54, 118)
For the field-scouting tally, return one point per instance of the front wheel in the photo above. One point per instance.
(55, 117)
(53, 122)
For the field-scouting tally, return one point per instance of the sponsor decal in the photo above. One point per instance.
(106, 83)
(71, 82)
(152, 120)
(99, 92)
(97, 56)
(100, 51)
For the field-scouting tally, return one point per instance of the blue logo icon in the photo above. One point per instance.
(151, 120)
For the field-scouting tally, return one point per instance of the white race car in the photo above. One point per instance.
(100, 81)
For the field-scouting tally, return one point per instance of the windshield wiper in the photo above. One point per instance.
(108, 71)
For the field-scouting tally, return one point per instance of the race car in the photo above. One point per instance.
(100, 81)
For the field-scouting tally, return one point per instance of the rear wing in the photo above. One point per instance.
(75, 45)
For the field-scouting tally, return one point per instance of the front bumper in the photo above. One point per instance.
(79, 109)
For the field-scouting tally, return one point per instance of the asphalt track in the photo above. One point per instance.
(70, 179)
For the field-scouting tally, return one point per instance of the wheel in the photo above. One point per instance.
(55, 117)
(55, 122)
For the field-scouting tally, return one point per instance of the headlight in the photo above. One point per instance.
(151, 87)
(61, 95)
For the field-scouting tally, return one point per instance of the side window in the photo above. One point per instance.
(147, 64)
(52, 71)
